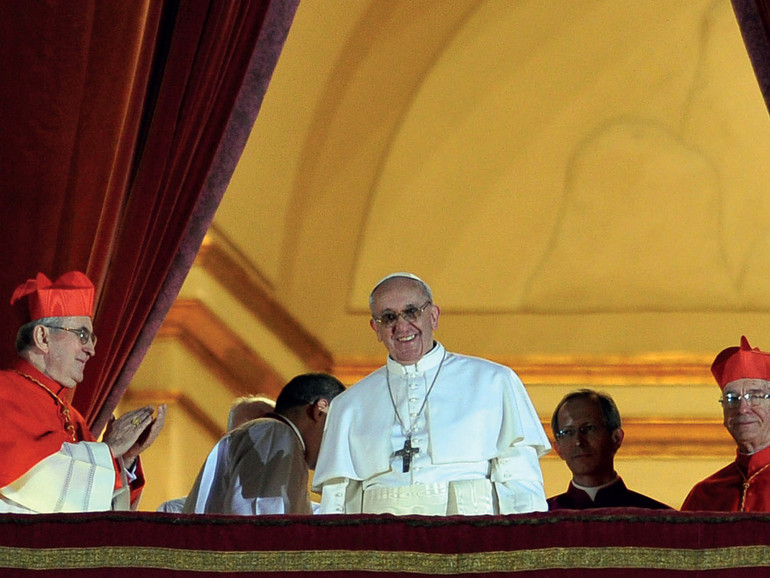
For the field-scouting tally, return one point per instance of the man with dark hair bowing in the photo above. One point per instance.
(49, 460)
(262, 466)
(431, 432)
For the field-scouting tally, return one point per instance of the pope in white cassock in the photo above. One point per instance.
(431, 432)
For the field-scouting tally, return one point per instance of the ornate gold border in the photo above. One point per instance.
(347, 561)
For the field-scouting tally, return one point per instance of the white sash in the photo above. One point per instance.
(464, 497)
(80, 477)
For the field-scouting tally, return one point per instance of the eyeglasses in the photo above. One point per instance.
(752, 398)
(410, 315)
(571, 432)
(83, 333)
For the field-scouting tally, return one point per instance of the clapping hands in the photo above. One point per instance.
(134, 431)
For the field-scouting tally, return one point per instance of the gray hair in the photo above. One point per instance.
(248, 407)
(24, 337)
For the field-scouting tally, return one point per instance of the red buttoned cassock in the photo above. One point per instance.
(742, 486)
(35, 424)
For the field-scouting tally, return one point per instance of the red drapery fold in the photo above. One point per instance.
(754, 20)
(275, 28)
(114, 118)
(69, 131)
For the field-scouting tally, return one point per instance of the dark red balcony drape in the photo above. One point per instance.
(121, 125)
(603, 543)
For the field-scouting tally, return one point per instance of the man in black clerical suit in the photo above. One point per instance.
(586, 427)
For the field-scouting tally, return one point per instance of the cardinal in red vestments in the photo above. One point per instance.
(49, 459)
(743, 374)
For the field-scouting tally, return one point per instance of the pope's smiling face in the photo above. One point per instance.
(406, 341)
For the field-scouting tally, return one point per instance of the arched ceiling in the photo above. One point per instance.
(572, 178)
(581, 182)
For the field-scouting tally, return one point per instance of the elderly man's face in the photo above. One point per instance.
(406, 341)
(748, 422)
(67, 355)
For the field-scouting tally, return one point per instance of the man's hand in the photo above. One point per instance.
(133, 432)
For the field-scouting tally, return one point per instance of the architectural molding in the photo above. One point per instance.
(649, 437)
(176, 398)
(658, 438)
(613, 370)
(233, 272)
(681, 369)
(662, 438)
(220, 349)
(242, 369)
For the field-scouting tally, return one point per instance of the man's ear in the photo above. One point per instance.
(375, 327)
(40, 335)
(434, 315)
(617, 438)
(319, 409)
(557, 449)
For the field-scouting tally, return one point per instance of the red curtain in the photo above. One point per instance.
(121, 124)
(754, 20)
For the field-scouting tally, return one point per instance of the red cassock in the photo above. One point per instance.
(35, 423)
(742, 486)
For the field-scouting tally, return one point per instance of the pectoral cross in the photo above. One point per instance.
(406, 454)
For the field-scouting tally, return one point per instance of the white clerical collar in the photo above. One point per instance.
(593, 490)
(290, 423)
(429, 361)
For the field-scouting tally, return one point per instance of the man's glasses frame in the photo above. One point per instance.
(752, 398)
(83, 333)
(570, 432)
(410, 315)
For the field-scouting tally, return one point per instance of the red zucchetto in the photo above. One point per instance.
(71, 295)
(741, 362)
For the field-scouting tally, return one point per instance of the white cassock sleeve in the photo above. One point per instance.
(518, 481)
(342, 496)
